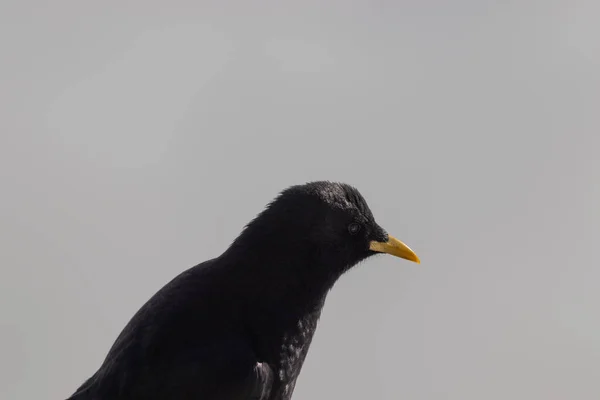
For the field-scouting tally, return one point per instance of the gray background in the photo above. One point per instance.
(137, 138)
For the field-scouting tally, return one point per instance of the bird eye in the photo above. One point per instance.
(353, 228)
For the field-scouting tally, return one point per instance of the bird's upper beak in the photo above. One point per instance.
(396, 248)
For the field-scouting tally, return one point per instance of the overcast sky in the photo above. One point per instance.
(138, 137)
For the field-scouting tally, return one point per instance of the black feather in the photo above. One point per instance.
(239, 326)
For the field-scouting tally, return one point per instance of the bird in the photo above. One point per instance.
(239, 326)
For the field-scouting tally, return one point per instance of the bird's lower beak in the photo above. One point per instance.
(396, 248)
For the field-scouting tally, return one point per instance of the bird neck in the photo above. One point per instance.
(300, 280)
(285, 286)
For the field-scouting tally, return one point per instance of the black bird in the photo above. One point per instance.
(238, 326)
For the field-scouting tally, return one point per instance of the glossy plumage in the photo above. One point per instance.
(239, 326)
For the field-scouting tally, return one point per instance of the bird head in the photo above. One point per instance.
(321, 223)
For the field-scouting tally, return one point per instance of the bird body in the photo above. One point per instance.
(239, 326)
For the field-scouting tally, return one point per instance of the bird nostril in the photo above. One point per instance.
(382, 235)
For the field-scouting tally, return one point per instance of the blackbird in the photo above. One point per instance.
(239, 326)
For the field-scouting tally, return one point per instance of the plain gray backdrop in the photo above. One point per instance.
(138, 137)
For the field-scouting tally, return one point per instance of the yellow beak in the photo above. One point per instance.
(396, 248)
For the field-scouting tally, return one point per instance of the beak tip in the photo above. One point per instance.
(414, 258)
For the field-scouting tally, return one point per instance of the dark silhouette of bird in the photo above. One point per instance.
(238, 327)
